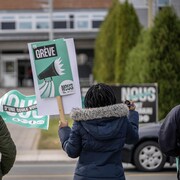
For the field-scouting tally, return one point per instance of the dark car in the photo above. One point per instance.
(146, 154)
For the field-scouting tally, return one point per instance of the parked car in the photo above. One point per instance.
(146, 155)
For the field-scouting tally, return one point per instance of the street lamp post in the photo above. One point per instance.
(51, 34)
(48, 4)
(150, 15)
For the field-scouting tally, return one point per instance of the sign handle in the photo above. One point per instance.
(61, 109)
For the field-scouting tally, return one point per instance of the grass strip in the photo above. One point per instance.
(49, 139)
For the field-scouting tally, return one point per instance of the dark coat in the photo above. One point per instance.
(169, 134)
(97, 138)
(7, 149)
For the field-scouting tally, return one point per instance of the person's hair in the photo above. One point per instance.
(99, 95)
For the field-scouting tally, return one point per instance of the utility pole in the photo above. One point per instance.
(51, 34)
(150, 14)
(48, 6)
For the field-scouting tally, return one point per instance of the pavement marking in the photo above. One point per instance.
(38, 176)
(44, 165)
(71, 175)
(149, 174)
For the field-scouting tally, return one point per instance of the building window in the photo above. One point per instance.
(8, 25)
(25, 17)
(82, 21)
(60, 24)
(42, 25)
(42, 17)
(59, 17)
(25, 25)
(163, 3)
(9, 67)
(8, 17)
(82, 24)
(96, 24)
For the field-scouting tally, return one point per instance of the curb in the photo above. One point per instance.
(43, 156)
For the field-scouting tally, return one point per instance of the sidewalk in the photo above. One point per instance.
(26, 141)
(43, 156)
(24, 138)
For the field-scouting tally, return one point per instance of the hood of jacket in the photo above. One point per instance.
(102, 122)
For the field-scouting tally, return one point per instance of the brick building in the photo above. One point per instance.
(24, 21)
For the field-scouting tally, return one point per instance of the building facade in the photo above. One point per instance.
(24, 21)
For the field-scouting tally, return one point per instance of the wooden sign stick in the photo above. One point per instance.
(61, 109)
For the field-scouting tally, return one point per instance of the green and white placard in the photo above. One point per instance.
(22, 110)
(45, 58)
(53, 68)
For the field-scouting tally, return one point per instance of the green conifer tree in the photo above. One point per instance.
(137, 65)
(164, 59)
(103, 69)
(127, 31)
(117, 35)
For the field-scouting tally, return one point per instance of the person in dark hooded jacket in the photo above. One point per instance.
(169, 133)
(7, 149)
(169, 136)
(98, 135)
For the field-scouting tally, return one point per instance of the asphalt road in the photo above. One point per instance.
(64, 171)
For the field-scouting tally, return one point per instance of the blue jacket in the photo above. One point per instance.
(97, 138)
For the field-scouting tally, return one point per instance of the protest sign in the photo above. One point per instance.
(53, 68)
(145, 97)
(55, 74)
(22, 110)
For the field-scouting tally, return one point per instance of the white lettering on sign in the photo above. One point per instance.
(139, 105)
(144, 118)
(13, 100)
(145, 110)
(67, 87)
(31, 122)
(20, 107)
(138, 94)
(46, 52)
(25, 114)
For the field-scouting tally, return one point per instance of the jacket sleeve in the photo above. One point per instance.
(169, 133)
(132, 135)
(7, 149)
(71, 140)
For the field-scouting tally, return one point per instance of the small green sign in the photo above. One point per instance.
(22, 110)
(53, 68)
